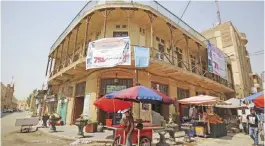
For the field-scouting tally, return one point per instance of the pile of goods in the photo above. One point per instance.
(214, 119)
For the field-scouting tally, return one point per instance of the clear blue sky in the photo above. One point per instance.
(30, 28)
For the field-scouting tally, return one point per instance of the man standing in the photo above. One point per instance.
(129, 127)
(253, 126)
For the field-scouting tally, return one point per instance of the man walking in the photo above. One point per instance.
(253, 126)
(244, 121)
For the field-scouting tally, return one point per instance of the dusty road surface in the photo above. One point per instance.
(11, 135)
(32, 139)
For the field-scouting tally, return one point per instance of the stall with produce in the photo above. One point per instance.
(201, 119)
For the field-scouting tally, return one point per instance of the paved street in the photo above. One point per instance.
(239, 139)
(11, 136)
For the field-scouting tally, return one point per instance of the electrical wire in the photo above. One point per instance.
(184, 11)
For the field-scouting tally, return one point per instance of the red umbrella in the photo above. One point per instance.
(259, 101)
(112, 105)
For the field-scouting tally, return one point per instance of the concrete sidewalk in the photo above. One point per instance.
(70, 132)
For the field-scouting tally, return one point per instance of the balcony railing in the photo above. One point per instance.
(153, 4)
(166, 57)
(155, 54)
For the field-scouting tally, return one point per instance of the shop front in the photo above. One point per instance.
(109, 85)
(200, 119)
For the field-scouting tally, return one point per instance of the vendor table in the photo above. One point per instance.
(145, 134)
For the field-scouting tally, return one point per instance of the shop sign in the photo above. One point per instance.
(113, 88)
(216, 61)
(142, 56)
(108, 52)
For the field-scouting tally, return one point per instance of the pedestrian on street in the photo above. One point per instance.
(253, 126)
(244, 121)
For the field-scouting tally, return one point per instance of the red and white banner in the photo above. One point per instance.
(108, 52)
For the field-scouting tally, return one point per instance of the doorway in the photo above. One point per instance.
(79, 100)
(78, 107)
(162, 109)
(108, 86)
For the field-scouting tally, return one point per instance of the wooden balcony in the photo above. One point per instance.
(162, 64)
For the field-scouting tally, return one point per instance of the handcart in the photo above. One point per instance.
(27, 122)
(144, 135)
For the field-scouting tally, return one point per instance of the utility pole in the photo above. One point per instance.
(218, 13)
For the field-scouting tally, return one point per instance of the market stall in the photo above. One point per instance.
(230, 113)
(201, 119)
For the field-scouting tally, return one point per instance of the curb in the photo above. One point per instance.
(72, 138)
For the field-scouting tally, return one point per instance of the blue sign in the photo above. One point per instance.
(142, 56)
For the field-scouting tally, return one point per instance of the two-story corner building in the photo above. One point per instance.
(232, 42)
(257, 81)
(178, 58)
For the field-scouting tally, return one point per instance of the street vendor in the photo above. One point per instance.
(129, 126)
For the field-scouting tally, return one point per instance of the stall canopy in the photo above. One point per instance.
(259, 101)
(231, 103)
(254, 96)
(112, 105)
(200, 100)
(257, 98)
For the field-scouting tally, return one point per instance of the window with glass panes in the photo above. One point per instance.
(183, 93)
(120, 34)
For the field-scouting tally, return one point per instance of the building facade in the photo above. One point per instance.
(22, 105)
(32, 104)
(257, 81)
(232, 42)
(7, 93)
(178, 58)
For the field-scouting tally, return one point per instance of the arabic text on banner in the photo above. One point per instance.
(217, 61)
(142, 56)
(108, 52)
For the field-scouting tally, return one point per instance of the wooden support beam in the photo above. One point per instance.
(49, 58)
(129, 12)
(76, 36)
(86, 33)
(188, 50)
(151, 18)
(171, 29)
(56, 59)
(61, 57)
(199, 56)
(105, 12)
(51, 65)
(68, 45)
